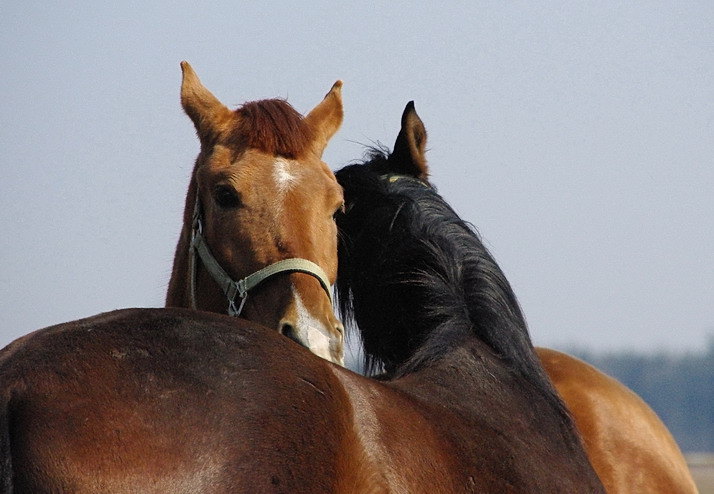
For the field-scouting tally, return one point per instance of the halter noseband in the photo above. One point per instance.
(240, 288)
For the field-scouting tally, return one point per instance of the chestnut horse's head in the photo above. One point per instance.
(259, 238)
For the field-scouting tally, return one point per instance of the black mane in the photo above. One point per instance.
(417, 279)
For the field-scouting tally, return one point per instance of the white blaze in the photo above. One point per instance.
(284, 178)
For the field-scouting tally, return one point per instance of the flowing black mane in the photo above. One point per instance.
(417, 279)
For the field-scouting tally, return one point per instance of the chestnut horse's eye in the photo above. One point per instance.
(226, 197)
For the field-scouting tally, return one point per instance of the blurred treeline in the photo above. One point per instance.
(679, 387)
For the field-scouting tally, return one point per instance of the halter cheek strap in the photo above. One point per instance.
(231, 288)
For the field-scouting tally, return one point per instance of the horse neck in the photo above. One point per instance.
(438, 271)
(178, 293)
(447, 285)
(465, 372)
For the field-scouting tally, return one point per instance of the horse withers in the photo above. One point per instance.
(258, 237)
(629, 447)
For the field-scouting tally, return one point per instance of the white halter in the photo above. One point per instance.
(240, 288)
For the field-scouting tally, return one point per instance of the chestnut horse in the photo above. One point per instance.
(184, 401)
(258, 237)
(389, 202)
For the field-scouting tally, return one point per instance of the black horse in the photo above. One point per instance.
(426, 295)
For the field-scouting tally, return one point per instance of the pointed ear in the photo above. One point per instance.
(408, 157)
(208, 114)
(326, 118)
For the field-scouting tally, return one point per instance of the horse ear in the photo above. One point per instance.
(409, 155)
(326, 117)
(207, 113)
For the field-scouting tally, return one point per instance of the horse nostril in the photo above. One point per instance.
(288, 330)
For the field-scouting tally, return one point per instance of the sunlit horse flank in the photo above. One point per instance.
(628, 445)
(464, 404)
(264, 196)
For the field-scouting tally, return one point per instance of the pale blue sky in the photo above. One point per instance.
(578, 138)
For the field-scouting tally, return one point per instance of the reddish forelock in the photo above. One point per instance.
(274, 127)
